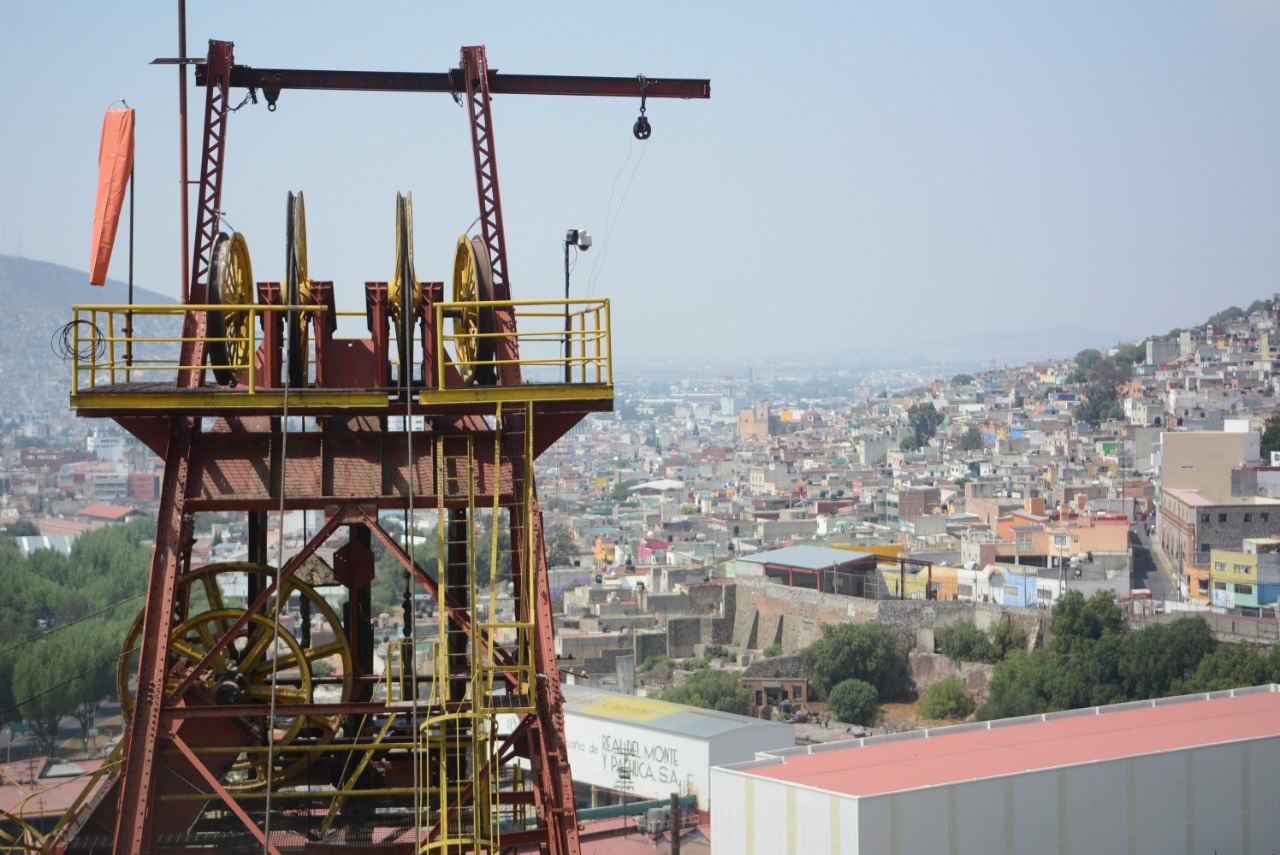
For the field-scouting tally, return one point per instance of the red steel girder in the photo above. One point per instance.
(546, 734)
(242, 470)
(272, 80)
(140, 748)
(208, 206)
(221, 791)
(475, 72)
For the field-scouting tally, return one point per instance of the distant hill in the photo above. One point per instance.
(35, 301)
(41, 286)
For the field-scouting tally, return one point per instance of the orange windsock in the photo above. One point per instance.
(115, 165)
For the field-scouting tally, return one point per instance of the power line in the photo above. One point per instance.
(68, 624)
(68, 681)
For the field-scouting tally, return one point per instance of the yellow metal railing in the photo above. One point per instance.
(98, 344)
(560, 342)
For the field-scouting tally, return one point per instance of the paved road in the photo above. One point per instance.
(1146, 573)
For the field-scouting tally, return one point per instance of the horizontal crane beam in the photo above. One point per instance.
(272, 80)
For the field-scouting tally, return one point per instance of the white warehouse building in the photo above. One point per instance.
(649, 749)
(1199, 773)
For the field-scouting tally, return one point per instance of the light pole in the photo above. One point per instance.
(582, 240)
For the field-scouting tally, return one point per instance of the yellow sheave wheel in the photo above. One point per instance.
(473, 325)
(404, 306)
(404, 270)
(241, 673)
(297, 291)
(230, 286)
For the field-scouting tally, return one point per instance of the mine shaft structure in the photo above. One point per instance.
(263, 711)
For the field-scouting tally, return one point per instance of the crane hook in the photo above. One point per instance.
(641, 129)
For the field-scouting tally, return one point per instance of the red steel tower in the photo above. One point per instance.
(266, 710)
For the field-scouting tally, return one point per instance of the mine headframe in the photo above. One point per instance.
(262, 712)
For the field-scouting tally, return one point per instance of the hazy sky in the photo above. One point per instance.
(862, 172)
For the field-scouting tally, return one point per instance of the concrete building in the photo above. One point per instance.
(1202, 460)
(1161, 351)
(1192, 524)
(1146, 777)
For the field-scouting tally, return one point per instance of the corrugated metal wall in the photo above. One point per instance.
(1221, 798)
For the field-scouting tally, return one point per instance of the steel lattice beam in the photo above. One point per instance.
(475, 72)
(140, 745)
(210, 203)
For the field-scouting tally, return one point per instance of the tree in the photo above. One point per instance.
(1088, 358)
(1164, 655)
(620, 492)
(712, 690)
(561, 549)
(1101, 387)
(1092, 676)
(863, 651)
(964, 642)
(1271, 436)
(1007, 637)
(95, 680)
(1131, 353)
(1226, 316)
(924, 420)
(1076, 621)
(971, 440)
(1229, 666)
(21, 528)
(909, 444)
(854, 702)
(1022, 684)
(962, 380)
(946, 699)
(42, 681)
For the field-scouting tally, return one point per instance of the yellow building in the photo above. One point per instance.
(1233, 578)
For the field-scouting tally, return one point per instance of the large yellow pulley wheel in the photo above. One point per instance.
(473, 325)
(297, 290)
(404, 272)
(404, 291)
(242, 673)
(230, 286)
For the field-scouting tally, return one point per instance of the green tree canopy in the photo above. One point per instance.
(862, 651)
(854, 702)
(946, 699)
(964, 642)
(1088, 358)
(1226, 315)
(924, 420)
(1100, 390)
(971, 439)
(1023, 684)
(1132, 352)
(712, 690)
(962, 380)
(21, 528)
(1230, 666)
(1164, 655)
(1076, 621)
(561, 549)
(1271, 436)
